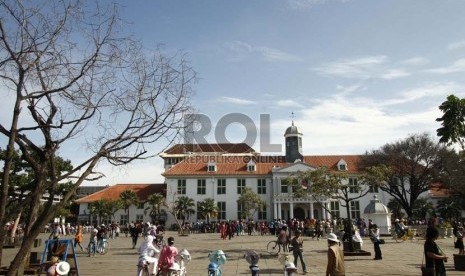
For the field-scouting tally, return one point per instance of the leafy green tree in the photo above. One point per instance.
(323, 185)
(421, 208)
(413, 164)
(208, 209)
(155, 202)
(396, 208)
(128, 198)
(250, 203)
(452, 131)
(449, 209)
(184, 207)
(452, 121)
(69, 72)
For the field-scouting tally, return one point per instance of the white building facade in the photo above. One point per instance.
(223, 171)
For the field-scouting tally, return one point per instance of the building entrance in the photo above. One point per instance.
(299, 213)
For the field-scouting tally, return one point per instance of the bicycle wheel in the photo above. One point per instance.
(143, 270)
(273, 248)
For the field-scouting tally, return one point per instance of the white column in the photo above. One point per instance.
(279, 210)
(311, 210)
(328, 214)
(291, 210)
(275, 210)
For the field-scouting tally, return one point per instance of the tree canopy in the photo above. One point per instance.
(413, 164)
(250, 203)
(452, 132)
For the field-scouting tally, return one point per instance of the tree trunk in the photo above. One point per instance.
(15, 226)
(25, 248)
(349, 227)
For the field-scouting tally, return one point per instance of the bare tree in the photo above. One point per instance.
(70, 74)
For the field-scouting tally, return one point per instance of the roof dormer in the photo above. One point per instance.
(251, 166)
(211, 167)
(342, 165)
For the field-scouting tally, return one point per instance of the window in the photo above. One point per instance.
(240, 185)
(239, 211)
(123, 220)
(201, 186)
(221, 210)
(335, 209)
(373, 188)
(181, 186)
(342, 165)
(140, 205)
(262, 214)
(251, 166)
(221, 189)
(211, 167)
(355, 209)
(284, 186)
(139, 218)
(261, 186)
(353, 186)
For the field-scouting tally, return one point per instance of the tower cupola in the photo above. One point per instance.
(293, 138)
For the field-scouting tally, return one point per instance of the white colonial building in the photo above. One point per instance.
(221, 171)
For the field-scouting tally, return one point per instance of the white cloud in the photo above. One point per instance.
(236, 101)
(394, 74)
(288, 103)
(431, 90)
(457, 66)
(270, 54)
(241, 50)
(369, 67)
(415, 61)
(344, 124)
(456, 45)
(358, 68)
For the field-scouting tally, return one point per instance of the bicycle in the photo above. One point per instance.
(143, 268)
(274, 247)
(411, 235)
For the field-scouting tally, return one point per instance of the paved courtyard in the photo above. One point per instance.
(398, 258)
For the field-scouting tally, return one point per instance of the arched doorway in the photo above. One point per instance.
(299, 213)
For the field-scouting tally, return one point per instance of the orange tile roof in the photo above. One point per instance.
(237, 165)
(210, 148)
(143, 191)
(438, 190)
(330, 161)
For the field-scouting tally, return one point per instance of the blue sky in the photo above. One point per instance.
(356, 73)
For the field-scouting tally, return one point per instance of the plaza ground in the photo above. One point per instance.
(398, 258)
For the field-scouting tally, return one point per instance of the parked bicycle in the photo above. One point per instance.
(274, 247)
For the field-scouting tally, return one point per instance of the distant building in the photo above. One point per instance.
(221, 173)
(136, 213)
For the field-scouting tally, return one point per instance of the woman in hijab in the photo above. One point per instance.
(148, 255)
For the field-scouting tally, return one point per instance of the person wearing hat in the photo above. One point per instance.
(335, 265)
(400, 228)
(297, 249)
(57, 268)
(148, 254)
(167, 257)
